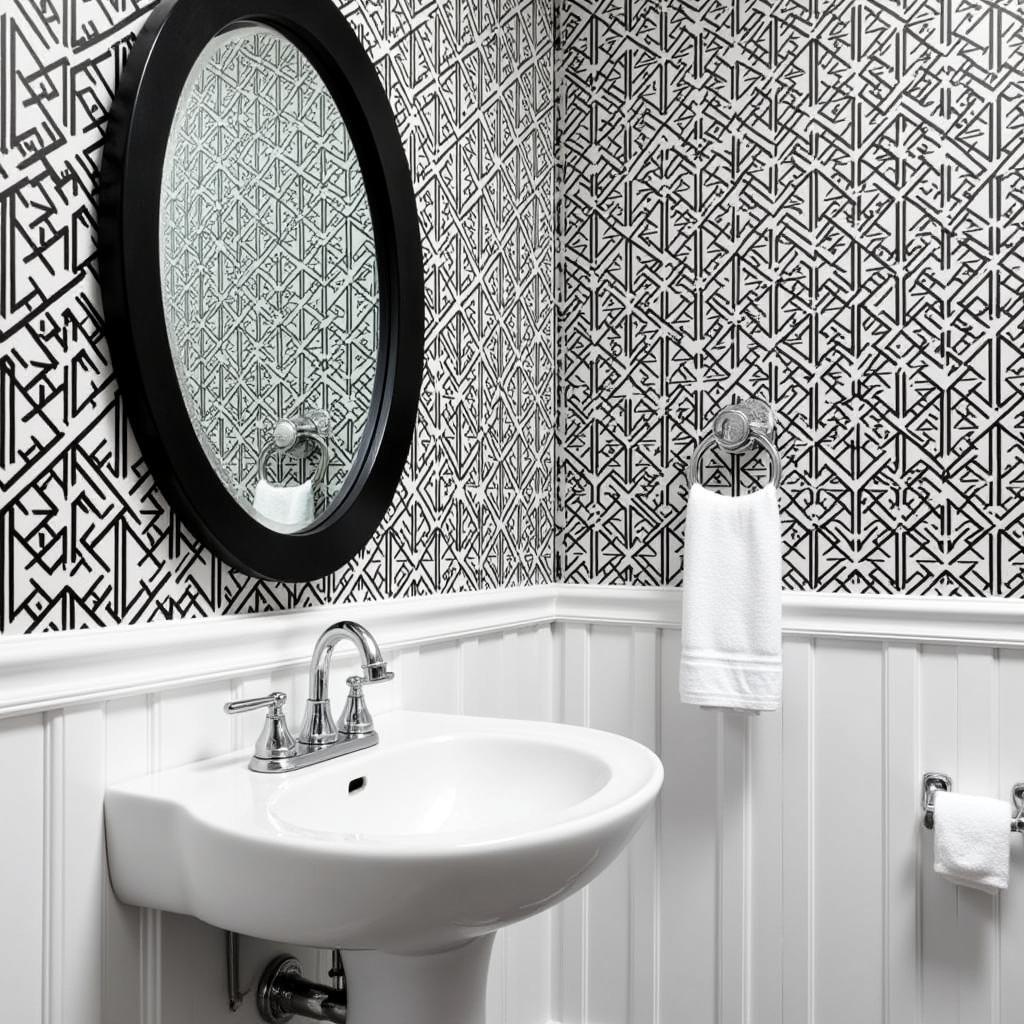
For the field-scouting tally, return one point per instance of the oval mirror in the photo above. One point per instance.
(269, 275)
(261, 278)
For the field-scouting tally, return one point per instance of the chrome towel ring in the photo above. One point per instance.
(300, 435)
(741, 428)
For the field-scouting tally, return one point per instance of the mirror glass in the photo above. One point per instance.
(269, 275)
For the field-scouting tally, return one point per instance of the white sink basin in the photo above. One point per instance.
(448, 829)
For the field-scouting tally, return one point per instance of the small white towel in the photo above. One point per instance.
(285, 506)
(972, 840)
(732, 601)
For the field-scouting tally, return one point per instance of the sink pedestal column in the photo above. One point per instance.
(429, 988)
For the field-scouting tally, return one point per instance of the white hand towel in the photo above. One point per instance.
(285, 506)
(972, 840)
(732, 601)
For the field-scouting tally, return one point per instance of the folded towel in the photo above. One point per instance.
(290, 507)
(731, 653)
(972, 840)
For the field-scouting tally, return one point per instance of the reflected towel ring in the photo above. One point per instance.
(739, 429)
(296, 435)
(273, 449)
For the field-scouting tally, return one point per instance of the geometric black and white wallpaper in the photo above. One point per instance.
(818, 204)
(86, 539)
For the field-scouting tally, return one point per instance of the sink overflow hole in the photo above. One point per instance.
(357, 784)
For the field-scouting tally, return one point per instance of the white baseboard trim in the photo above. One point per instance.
(48, 670)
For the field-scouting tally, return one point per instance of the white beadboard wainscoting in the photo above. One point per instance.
(785, 878)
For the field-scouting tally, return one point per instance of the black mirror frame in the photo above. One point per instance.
(129, 261)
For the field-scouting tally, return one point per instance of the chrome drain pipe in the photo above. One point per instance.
(283, 992)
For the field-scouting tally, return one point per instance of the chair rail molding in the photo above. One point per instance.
(41, 671)
(971, 621)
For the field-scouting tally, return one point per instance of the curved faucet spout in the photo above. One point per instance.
(318, 726)
(319, 671)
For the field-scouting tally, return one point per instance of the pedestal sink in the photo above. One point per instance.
(408, 856)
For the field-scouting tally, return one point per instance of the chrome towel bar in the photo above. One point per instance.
(934, 782)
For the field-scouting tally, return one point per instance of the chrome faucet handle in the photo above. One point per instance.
(356, 719)
(275, 741)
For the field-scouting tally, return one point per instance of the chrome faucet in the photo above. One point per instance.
(319, 738)
(318, 728)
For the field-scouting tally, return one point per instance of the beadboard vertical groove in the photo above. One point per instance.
(764, 869)
(53, 868)
(25, 880)
(643, 969)
(797, 883)
(900, 895)
(938, 952)
(150, 921)
(1010, 671)
(127, 754)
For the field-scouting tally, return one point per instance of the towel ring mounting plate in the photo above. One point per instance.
(302, 435)
(742, 427)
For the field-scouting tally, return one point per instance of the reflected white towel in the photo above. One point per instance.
(731, 654)
(285, 506)
(972, 840)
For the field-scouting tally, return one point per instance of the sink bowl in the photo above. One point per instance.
(447, 830)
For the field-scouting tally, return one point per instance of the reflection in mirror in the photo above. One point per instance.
(269, 275)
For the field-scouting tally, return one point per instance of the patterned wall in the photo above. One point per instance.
(821, 204)
(815, 204)
(85, 537)
(267, 259)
